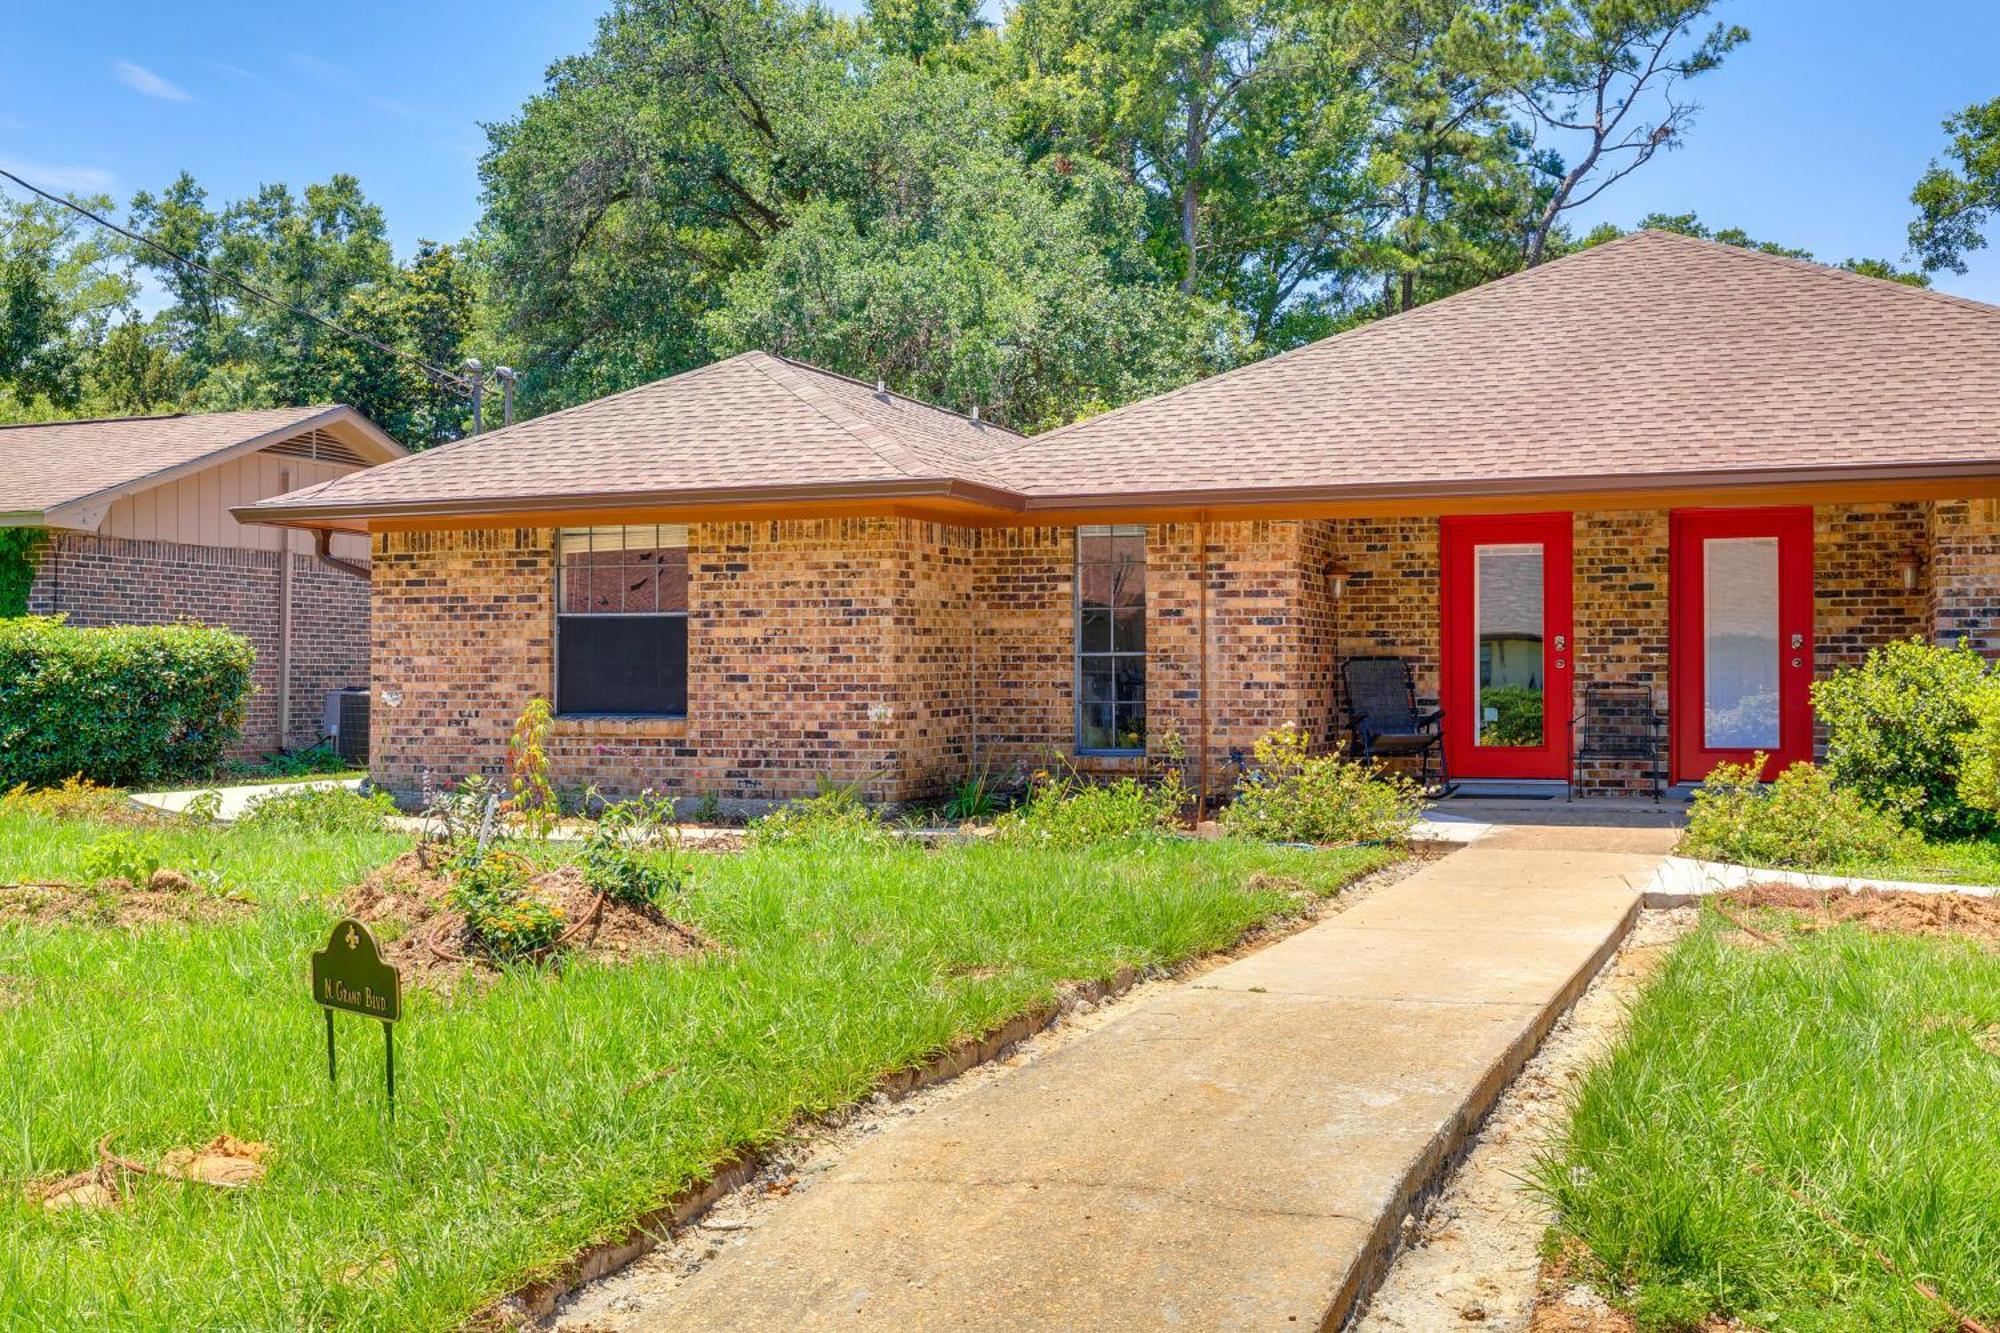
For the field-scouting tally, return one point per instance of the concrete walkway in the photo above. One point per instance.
(1234, 1153)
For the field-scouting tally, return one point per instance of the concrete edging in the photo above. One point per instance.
(1682, 881)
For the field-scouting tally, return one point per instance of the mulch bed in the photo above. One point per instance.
(168, 897)
(1873, 909)
(429, 941)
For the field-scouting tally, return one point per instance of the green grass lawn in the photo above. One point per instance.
(1973, 862)
(1861, 1069)
(534, 1116)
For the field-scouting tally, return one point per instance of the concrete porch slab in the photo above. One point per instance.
(1232, 1153)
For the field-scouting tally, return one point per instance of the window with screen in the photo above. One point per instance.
(1111, 639)
(621, 620)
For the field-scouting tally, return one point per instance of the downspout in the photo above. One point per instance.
(323, 551)
(284, 621)
(1201, 633)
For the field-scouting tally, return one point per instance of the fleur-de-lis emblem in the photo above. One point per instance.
(353, 938)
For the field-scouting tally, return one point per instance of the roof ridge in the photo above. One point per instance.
(1814, 266)
(871, 437)
(165, 416)
(881, 388)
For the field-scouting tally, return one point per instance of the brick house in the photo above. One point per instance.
(137, 512)
(1709, 473)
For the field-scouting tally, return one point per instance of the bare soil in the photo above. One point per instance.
(224, 1162)
(1471, 1258)
(168, 897)
(430, 943)
(1901, 913)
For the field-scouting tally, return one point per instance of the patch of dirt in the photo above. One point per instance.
(1470, 1257)
(168, 897)
(224, 1162)
(429, 941)
(1903, 913)
(1563, 1304)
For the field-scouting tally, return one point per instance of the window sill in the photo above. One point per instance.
(620, 724)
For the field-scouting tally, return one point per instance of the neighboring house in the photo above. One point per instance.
(1712, 472)
(137, 511)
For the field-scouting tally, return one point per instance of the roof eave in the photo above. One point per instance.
(309, 515)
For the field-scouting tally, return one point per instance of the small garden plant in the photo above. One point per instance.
(493, 888)
(632, 855)
(1804, 820)
(835, 817)
(1066, 809)
(321, 810)
(534, 804)
(1294, 795)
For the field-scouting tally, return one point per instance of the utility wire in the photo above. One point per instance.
(448, 379)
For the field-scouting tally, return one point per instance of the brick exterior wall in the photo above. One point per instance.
(903, 654)
(1964, 573)
(99, 581)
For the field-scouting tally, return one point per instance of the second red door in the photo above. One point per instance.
(1505, 665)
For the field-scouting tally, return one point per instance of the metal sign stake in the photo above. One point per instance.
(349, 974)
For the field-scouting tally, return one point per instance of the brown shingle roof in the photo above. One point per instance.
(1652, 357)
(1656, 360)
(753, 422)
(46, 466)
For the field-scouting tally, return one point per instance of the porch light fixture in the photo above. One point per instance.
(1338, 573)
(1908, 564)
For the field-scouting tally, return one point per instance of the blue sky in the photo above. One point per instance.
(1811, 135)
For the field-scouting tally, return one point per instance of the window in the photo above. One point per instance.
(621, 620)
(1111, 639)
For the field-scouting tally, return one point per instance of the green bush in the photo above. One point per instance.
(1805, 820)
(494, 890)
(837, 817)
(1294, 795)
(1071, 811)
(320, 810)
(127, 706)
(632, 855)
(1979, 752)
(127, 856)
(1893, 730)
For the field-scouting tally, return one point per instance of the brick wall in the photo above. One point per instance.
(99, 581)
(1964, 573)
(1619, 614)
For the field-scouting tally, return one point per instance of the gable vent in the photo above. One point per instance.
(318, 446)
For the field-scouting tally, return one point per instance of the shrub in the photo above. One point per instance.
(125, 856)
(632, 855)
(125, 706)
(1065, 809)
(1805, 820)
(494, 890)
(1979, 752)
(76, 797)
(837, 817)
(1295, 796)
(320, 810)
(1893, 728)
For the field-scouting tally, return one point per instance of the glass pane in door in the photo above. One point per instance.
(1507, 609)
(1739, 600)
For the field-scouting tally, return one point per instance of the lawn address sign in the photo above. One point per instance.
(349, 974)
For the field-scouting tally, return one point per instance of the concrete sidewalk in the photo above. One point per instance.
(1233, 1153)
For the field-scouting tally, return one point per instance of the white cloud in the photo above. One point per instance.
(62, 177)
(142, 80)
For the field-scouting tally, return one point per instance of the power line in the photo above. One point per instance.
(448, 379)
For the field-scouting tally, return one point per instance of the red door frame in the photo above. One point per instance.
(1792, 525)
(1458, 658)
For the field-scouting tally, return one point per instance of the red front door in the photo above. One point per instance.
(1505, 666)
(1741, 651)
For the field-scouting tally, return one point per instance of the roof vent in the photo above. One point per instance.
(881, 385)
(975, 411)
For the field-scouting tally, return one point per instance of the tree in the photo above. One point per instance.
(918, 29)
(62, 282)
(1955, 203)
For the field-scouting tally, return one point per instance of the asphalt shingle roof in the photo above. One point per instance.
(57, 463)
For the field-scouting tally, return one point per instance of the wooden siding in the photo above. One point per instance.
(194, 510)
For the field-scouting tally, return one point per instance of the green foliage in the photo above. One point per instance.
(1294, 795)
(300, 763)
(1979, 751)
(202, 808)
(132, 857)
(493, 889)
(310, 809)
(1065, 809)
(1956, 202)
(1520, 715)
(835, 818)
(534, 802)
(1894, 726)
(122, 706)
(20, 554)
(976, 797)
(75, 797)
(1806, 820)
(633, 855)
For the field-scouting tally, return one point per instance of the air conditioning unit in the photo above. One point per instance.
(346, 721)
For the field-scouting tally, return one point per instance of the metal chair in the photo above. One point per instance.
(1384, 718)
(1617, 720)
